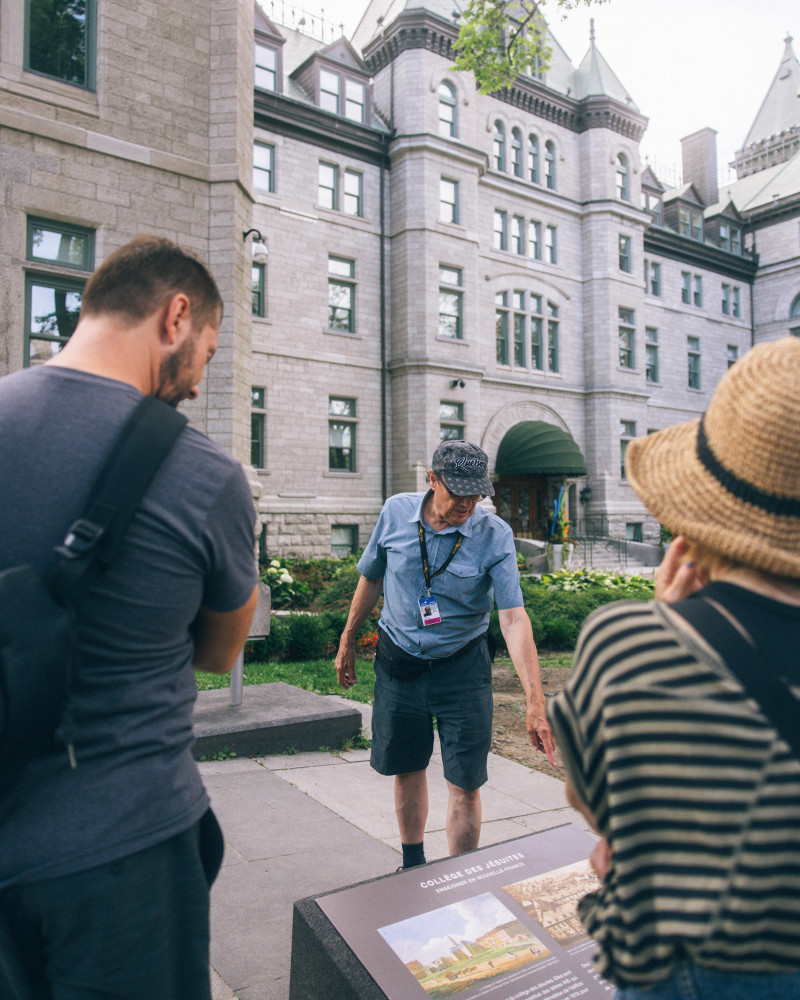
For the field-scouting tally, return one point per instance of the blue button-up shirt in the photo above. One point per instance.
(483, 572)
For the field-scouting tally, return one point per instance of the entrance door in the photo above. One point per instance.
(520, 501)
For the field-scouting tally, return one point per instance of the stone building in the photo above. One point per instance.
(402, 259)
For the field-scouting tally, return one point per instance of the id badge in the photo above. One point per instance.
(429, 610)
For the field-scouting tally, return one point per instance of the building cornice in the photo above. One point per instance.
(420, 29)
(278, 113)
(668, 243)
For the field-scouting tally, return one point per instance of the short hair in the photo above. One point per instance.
(143, 275)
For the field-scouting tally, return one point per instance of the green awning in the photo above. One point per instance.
(535, 448)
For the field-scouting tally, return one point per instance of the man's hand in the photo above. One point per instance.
(677, 576)
(346, 664)
(540, 733)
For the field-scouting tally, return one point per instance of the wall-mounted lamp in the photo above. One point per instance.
(259, 247)
(585, 494)
(457, 382)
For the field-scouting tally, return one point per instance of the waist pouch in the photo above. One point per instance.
(402, 666)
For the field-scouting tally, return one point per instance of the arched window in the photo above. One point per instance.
(516, 152)
(499, 146)
(448, 123)
(794, 314)
(533, 158)
(550, 164)
(623, 178)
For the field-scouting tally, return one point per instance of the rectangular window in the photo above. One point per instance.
(686, 287)
(258, 279)
(501, 327)
(451, 421)
(500, 240)
(53, 301)
(627, 357)
(697, 298)
(353, 193)
(652, 278)
(344, 540)
(690, 223)
(537, 332)
(736, 303)
(355, 101)
(535, 240)
(736, 240)
(519, 329)
(551, 244)
(263, 166)
(627, 430)
(725, 236)
(341, 434)
(633, 531)
(517, 234)
(733, 355)
(448, 200)
(625, 253)
(651, 354)
(693, 359)
(266, 67)
(552, 338)
(329, 90)
(328, 185)
(726, 299)
(450, 302)
(258, 416)
(60, 40)
(341, 294)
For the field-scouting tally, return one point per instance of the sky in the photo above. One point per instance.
(687, 64)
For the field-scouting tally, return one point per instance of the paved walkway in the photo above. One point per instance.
(301, 825)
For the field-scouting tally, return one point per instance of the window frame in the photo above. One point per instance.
(352, 545)
(550, 165)
(337, 280)
(348, 421)
(348, 196)
(269, 170)
(258, 420)
(451, 422)
(651, 373)
(259, 289)
(275, 50)
(626, 337)
(333, 187)
(623, 178)
(452, 206)
(450, 129)
(625, 253)
(500, 229)
(693, 357)
(551, 244)
(499, 146)
(456, 291)
(89, 80)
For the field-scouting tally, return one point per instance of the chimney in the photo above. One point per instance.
(700, 163)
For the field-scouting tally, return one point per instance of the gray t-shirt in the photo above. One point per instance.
(189, 544)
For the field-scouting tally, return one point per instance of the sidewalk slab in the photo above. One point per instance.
(271, 719)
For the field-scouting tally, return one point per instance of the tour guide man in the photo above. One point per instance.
(442, 561)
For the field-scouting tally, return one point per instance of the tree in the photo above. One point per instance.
(502, 39)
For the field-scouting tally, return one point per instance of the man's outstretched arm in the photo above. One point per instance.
(518, 634)
(364, 600)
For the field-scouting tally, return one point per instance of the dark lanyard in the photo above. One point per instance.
(423, 548)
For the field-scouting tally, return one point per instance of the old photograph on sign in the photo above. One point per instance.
(552, 900)
(457, 946)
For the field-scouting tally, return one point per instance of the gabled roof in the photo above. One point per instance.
(725, 207)
(595, 78)
(341, 52)
(263, 25)
(649, 180)
(686, 192)
(780, 109)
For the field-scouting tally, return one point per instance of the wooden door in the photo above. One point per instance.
(520, 501)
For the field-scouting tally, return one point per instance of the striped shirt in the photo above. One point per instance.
(697, 796)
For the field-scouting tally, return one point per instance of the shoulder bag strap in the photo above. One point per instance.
(741, 656)
(92, 541)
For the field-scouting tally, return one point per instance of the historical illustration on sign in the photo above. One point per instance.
(461, 945)
(552, 900)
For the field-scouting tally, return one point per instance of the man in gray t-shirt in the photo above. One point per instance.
(105, 869)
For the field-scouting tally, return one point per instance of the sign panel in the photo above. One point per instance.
(499, 923)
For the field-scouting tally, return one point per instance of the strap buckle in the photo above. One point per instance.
(81, 538)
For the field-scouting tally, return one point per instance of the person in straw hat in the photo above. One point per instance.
(680, 723)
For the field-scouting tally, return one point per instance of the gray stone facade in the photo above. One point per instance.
(647, 315)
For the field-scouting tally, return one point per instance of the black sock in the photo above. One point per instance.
(413, 854)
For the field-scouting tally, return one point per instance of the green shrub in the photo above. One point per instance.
(308, 638)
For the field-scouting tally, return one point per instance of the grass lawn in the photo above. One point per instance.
(319, 676)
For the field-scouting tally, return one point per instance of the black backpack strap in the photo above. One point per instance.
(772, 694)
(91, 542)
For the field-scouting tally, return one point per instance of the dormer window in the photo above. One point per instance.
(342, 96)
(730, 237)
(690, 222)
(651, 202)
(266, 67)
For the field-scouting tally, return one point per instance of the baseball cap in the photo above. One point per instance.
(464, 468)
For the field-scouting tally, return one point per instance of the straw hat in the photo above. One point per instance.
(732, 478)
